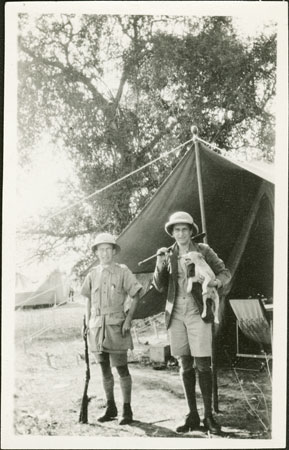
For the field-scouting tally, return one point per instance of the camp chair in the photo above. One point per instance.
(253, 323)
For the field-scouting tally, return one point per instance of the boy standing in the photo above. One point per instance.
(108, 324)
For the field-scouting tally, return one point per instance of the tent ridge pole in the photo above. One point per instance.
(194, 130)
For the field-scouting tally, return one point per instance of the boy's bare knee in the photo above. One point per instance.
(106, 369)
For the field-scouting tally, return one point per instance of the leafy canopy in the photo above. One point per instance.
(114, 92)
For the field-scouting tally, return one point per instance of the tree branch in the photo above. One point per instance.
(51, 233)
(157, 138)
(120, 89)
(69, 72)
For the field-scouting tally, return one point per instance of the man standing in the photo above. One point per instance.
(108, 322)
(190, 336)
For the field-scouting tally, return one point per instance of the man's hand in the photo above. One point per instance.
(199, 279)
(84, 331)
(126, 326)
(162, 257)
(215, 283)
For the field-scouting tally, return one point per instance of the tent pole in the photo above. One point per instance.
(195, 132)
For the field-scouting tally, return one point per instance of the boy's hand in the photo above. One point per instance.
(84, 331)
(126, 326)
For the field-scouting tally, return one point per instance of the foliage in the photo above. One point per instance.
(117, 91)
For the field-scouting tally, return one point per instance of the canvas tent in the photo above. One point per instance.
(54, 290)
(22, 283)
(239, 208)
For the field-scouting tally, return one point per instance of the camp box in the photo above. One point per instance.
(160, 352)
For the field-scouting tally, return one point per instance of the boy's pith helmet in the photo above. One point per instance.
(105, 238)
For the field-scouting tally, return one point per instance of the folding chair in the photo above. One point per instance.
(254, 324)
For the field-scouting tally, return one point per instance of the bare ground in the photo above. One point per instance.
(49, 383)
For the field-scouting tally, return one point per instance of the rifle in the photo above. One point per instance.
(197, 238)
(83, 416)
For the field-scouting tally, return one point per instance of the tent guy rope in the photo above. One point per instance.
(119, 180)
(44, 329)
(163, 155)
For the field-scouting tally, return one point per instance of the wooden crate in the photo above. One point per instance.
(160, 353)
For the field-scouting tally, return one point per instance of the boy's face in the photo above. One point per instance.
(182, 233)
(105, 253)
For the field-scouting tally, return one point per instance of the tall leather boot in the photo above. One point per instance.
(126, 387)
(111, 410)
(192, 420)
(206, 386)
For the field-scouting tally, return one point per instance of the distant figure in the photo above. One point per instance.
(190, 334)
(108, 324)
(71, 295)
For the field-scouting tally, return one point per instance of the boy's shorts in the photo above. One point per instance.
(115, 359)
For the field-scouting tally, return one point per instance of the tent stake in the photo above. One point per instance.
(195, 132)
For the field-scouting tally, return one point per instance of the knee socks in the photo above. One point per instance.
(206, 386)
(188, 378)
(126, 386)
(108, 384)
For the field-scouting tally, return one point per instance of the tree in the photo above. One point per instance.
(167, 81)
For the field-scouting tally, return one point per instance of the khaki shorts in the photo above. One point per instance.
(115, 359)
(190, 335)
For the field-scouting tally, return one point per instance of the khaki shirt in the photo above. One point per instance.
(185, 301)
(108, 287)
(166, 280)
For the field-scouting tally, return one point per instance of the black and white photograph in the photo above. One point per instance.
(145, 224)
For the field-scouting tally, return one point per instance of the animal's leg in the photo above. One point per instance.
(204, 313)
(217, 303)
(191, 280)
(205, 285)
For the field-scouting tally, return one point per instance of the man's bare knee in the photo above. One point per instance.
(185, 362)
(203, 364)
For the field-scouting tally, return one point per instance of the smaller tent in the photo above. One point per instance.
(23, 283)
(54, 290)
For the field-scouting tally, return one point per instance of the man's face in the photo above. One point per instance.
(105, 253)
(182, 233)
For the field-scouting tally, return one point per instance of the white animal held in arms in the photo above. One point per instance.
(202, 269)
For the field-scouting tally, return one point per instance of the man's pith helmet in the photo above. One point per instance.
(178, 218)
(105, 238)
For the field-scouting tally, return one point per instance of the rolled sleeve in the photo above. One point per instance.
(86, 287)
(130, 283)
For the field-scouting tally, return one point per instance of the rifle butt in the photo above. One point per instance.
(83, 416)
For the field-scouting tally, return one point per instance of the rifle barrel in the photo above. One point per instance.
(83, 416)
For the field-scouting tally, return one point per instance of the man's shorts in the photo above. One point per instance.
(189, 334)
(115, 359)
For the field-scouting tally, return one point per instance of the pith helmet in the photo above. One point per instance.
(181, 217)
(105, 238)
